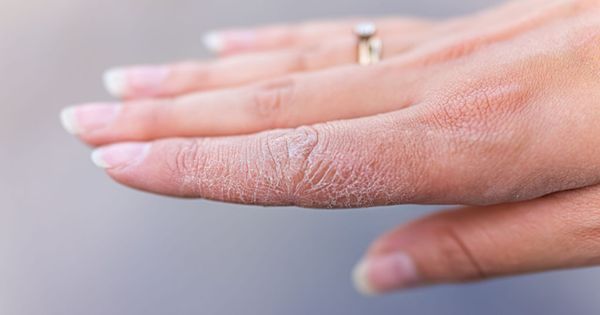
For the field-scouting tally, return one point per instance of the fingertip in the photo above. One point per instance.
(120, 155)
(115, 82)
(69, 121)
(213, 41)
(230, 41)
(361, 280)
(83, 120)
(98, 160)
(383, 274)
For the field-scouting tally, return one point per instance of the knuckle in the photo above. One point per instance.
(271, 101)
(318, 167)
(478, 108)
(290, 155)
(459, 260)
(151, 117)
(316, 57)
(305, 60)
(491, 121)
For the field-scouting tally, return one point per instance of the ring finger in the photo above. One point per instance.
(186, 77)
(175, 79)
(307, 35)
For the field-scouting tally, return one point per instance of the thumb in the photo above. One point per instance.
(558, 231)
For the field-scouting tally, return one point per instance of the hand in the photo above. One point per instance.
(497, 110)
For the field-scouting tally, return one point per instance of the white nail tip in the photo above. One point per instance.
(361, 280)
(69, 121)
(98, 160)
(213, 41)
(115, 82)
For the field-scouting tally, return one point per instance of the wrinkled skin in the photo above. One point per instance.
(497, 110)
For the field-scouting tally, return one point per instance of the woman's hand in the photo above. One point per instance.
(498, 109)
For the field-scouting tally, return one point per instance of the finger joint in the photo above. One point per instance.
(271, 102)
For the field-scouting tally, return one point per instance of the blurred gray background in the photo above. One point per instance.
(74, 242)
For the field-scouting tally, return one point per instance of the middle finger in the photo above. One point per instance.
(301, 99)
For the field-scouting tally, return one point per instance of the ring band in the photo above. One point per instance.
(370, 48)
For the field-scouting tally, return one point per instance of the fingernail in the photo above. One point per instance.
(135, 81)
(213, 41)
(220, 42)
(115, 82)
(120, 155)
(382, 274)
(86, 118)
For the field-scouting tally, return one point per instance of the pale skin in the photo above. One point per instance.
(497, 111)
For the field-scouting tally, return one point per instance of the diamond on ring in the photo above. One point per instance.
(365, 30)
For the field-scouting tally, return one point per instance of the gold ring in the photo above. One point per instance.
(370, 48)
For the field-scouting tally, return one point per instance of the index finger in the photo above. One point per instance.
(396, 158)
(325, 166)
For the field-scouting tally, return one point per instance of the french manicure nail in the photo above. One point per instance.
(86, 118)
(382, 274)
(220, 42)
(213, 41)
(135, 81)
(120, 155)
(115, 82)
